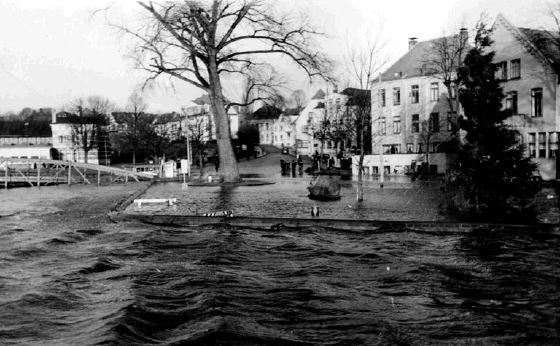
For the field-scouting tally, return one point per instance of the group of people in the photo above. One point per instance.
(291, 166)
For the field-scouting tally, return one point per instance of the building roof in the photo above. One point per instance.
(267, 112)
(356, 95)
(544, 44)
(202, 100)
(319, 95)
(293, 111)
(417, 61)
(410, 64)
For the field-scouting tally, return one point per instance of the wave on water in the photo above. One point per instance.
(222, 285)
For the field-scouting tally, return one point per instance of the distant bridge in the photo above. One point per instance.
(37, 172)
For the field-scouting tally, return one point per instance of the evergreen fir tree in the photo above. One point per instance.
(494, 175)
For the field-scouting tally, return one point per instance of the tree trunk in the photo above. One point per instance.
(86, 152)
(360, 192)
(134, 157)
(201, 163)
(228, 171)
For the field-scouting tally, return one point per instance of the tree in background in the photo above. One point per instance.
(262, 85)
(364, 61)
(29, 123)
(201, 43)
(298, 99)
(88, 120)
(493, 175)
(136, 125)
(199, 133)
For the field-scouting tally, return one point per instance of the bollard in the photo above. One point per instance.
(315, 211)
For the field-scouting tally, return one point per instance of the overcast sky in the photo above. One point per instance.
(54, 51)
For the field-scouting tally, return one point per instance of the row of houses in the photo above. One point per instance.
(412, 123)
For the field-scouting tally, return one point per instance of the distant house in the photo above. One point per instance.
(309, 117)
(265, 118)
(199, 113)
(65, 140)
(528, 67)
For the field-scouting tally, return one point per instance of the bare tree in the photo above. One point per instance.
(136, 107)
(201, 43)
(198, 127)
(443, 61)
(364, 61)
(88, 120)
(263, 85)
(298, 99)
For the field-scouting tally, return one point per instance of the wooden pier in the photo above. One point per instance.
(41, 172)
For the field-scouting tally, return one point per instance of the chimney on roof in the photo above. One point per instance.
(464, 35)
(412, 42)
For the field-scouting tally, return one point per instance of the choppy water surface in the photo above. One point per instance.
(218, 286)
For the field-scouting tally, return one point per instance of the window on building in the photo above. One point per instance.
(266, 126)
(536, 102)
(409, 148)
(61, 139)
(501, 70)
(511, 101)
(415, 123)
(515, 67)
(451, 120)
(382, 126)
(434, 122)
(382, 99)
(436, 147)
(419, 147)
(542, 144)
(391, 148)
(397, 124)
(553, 145)
(396, 96)
(415, 94)
(434, 91)
(532, 147)
(453, 89)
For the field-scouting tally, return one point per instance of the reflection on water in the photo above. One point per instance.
(144, 284)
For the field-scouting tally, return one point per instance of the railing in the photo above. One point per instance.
(37, 172)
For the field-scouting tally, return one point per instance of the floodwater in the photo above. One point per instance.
(288, 198)
(217, 285)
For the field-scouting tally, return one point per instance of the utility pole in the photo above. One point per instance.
(381, 166)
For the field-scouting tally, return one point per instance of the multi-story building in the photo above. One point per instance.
(412, 123)
(198, 114)
(66, 140)
(528, 66)
(285, 128)
(309, 118)
(265, 118)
